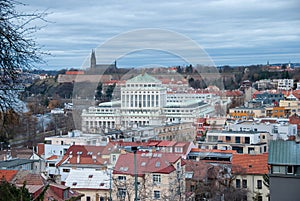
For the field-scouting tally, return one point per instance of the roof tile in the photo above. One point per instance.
(250, 163)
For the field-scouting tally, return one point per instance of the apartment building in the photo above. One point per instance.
(241, 141)
(249, 170)
(160, 176)
(93, 184)
(285, 84)
(246, 113)
(277, 128)
(285, 170)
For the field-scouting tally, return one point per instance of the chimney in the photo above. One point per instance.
(78, 158)
(291, 138)
(57, 178)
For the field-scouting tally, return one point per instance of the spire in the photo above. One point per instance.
(93, 59)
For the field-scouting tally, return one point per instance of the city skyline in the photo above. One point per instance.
(231, 32)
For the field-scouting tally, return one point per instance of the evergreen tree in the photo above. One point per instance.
(11, 192)
(98, 95)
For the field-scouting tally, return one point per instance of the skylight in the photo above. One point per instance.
(157, 164)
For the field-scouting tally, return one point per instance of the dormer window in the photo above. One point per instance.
(178, 149)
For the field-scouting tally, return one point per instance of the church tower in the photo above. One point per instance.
(93, 59)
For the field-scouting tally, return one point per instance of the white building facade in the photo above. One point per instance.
(277, 130)
(285, 84)
(144, 102)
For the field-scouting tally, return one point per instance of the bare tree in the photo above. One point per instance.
(18, 51)
(218, 184)
(124, 188)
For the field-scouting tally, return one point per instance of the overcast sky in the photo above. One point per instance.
(232, 32)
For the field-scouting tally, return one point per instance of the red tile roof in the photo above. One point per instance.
(30, 178)
(213, 150)
(156, 162)
(295, 119)
(181, 144)
(75, 72)
(8, 175)
(53, 157)
(129, 144)
(272, 121)
(153, 143)
(166, 144)
(250, 163)
(87, 155)
(54, 192)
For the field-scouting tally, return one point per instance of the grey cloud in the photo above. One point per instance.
(235, 26)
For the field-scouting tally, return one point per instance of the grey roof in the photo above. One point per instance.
(144, 78)
(15, 162)
(235, 132)
(186, 104)
(284, 152)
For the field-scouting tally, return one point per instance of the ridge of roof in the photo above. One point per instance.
(143, 78)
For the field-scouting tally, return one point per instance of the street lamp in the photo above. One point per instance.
(110, 182)
(134, 150)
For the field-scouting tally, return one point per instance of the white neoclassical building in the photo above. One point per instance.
(144, 102)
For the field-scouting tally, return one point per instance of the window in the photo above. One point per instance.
(66, 170)
(259, 198)
(114, 158)
(237, 139)
(121, 192)
(278, 169)
(121, 178)
(66, 194)
(178, 149)
(51, 164)
(244, 183)
(297, 170)
(228, 138)
(156, 194)
(156, 179)
(88, 198)
(238, 183)
(290, 169)
(250, 150)
(259, 184)
(247, 140)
